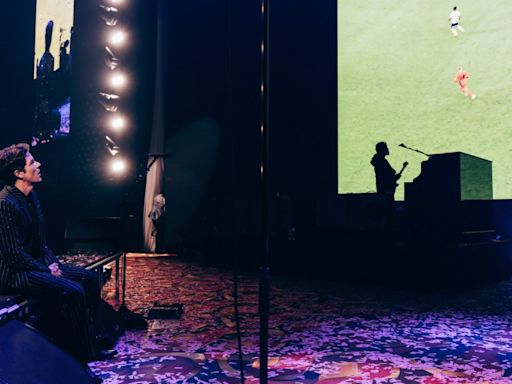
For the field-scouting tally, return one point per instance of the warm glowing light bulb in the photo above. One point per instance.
(118, 166)
(117, 123)
(118, 80)
(117, 37)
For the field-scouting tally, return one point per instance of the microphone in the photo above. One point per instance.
(159, 155)
(402, 145)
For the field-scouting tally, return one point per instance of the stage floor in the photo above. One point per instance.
(319, 332)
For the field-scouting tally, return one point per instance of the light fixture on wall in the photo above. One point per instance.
(118, 80)
(117, 122)
(109, 15)
(113, 88)
(117, 37)
(111, 60)
(109, 101)
(112, 147)
(118, 166)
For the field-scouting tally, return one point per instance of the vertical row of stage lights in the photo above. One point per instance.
(115, 83)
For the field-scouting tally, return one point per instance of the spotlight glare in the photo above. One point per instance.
(118, 166)
(117, 123)
(118, 80)
(117, 37)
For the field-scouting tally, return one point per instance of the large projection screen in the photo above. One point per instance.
(397, 61)
(52, 69)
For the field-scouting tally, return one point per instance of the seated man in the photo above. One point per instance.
(27, 265)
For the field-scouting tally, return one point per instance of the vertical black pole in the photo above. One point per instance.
(123, 292)
(125, 224)
(264, 169)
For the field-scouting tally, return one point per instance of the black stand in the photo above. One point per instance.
(265, 236)
(133, 320)
(413, 149)
(140, 176)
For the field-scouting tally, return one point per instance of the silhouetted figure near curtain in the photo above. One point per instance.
(157, 215)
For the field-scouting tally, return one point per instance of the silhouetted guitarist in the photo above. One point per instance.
(385, 176)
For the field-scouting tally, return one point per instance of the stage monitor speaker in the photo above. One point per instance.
(28, 357)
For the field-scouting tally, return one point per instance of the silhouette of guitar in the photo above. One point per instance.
(399, 174)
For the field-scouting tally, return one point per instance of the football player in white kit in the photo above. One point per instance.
(454, 18)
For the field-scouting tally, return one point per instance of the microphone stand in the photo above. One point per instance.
(413, 149)
(140, 176)
(264, 286)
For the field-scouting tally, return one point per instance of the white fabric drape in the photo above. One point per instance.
(154, 180)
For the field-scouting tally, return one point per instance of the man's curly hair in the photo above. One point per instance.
(12, 159)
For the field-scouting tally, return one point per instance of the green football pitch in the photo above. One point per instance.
(396, 64)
